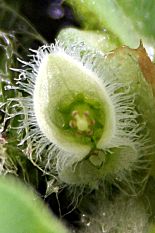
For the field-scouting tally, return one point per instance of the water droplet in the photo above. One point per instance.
(88, 224)
(85, 219)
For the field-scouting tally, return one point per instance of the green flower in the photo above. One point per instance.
(76, 113)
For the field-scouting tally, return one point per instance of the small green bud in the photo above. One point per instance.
(96, 165)
(100, 40)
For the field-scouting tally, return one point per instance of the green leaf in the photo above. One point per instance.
(100, 14)
(130, 20)
(141, 14)
(22, 212)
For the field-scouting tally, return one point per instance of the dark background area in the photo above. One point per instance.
(48, 16)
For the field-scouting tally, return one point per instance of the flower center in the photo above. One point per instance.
(82, 122)
(81, 119)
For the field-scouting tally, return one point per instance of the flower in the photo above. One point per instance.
(76, 115)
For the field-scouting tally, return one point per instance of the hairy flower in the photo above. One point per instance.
(78, 119)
